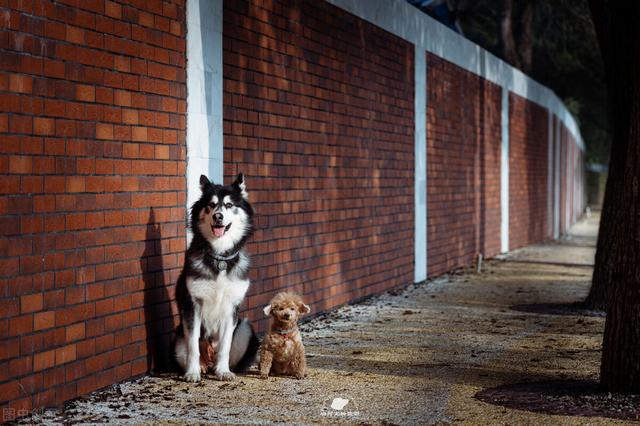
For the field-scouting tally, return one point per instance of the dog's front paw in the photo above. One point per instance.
(225, 376)
(264, 376)
(192, 376)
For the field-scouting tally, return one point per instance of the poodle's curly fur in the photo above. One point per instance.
(282, 351)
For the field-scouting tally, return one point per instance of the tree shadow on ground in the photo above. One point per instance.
(564, 397)
(436, 371)
(564, 309)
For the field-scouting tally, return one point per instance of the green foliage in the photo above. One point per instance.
(566, 58)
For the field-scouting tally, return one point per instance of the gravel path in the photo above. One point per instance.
(416, 356)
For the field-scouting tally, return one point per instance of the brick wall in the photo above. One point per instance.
(554, 177)
(318, 112)
(319, 115)
(92, 192)
(463, 166)
(571, 176)
(528, 172)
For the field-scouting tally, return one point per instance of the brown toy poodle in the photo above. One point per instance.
(282, 351)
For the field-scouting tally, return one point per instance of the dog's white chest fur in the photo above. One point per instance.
(218, 298)
(286, 349)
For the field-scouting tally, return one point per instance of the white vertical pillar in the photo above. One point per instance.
(556, 202)
(567, 181)
(550, 174)
(504, 173)
(573, 182)
(204, 94)
(420, 152)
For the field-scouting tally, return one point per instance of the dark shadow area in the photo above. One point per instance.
(570, 309)
(157, 303)
(459, 371)
(564, 397)
(545, 262)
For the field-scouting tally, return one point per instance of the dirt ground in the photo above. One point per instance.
(416, 356)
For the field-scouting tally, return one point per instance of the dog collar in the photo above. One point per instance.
(221, 261)
(285, 331)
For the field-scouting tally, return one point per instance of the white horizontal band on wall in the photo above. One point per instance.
(405, 21)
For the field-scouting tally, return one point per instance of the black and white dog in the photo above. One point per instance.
(214, 282)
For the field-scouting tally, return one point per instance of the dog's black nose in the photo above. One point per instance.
(286, 316)
(218, 217)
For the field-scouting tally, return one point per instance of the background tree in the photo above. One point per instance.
(554, 42)
(520, 55)
(618, 32)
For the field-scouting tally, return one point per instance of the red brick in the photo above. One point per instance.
(31, 184)
(21, 124)
(139, 134)
(75, 332)
(85, 93)
(104, 131)
(74, 35)
(31, 224)
(162, 152)
(21, 366)
(122, 98)
(20, 325)
(65, 354)
(112, 9)
(4, 123)
(44, 360)
(44, 126)
(20, 164)
(31, 303)
(75, 184)
(122, 64)
(130, 116)
(43, 320)
(20, 83)
(105, 96)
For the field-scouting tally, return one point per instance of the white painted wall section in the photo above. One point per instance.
(204, 94)
(567, 189)
(550, 194)
(504, 173)
(420, 147)
(556, 202)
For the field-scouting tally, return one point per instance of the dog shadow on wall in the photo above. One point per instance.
(157, 303)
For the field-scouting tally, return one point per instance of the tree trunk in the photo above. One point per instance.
(460, 10)
(618, 32)
(507, 41)
(526, 37)
(603, 271)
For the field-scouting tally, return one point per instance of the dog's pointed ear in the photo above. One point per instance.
(241, 185)
(204, 183)
(304, 308)
(267, 310)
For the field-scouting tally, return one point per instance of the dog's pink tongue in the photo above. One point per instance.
(218, 232)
